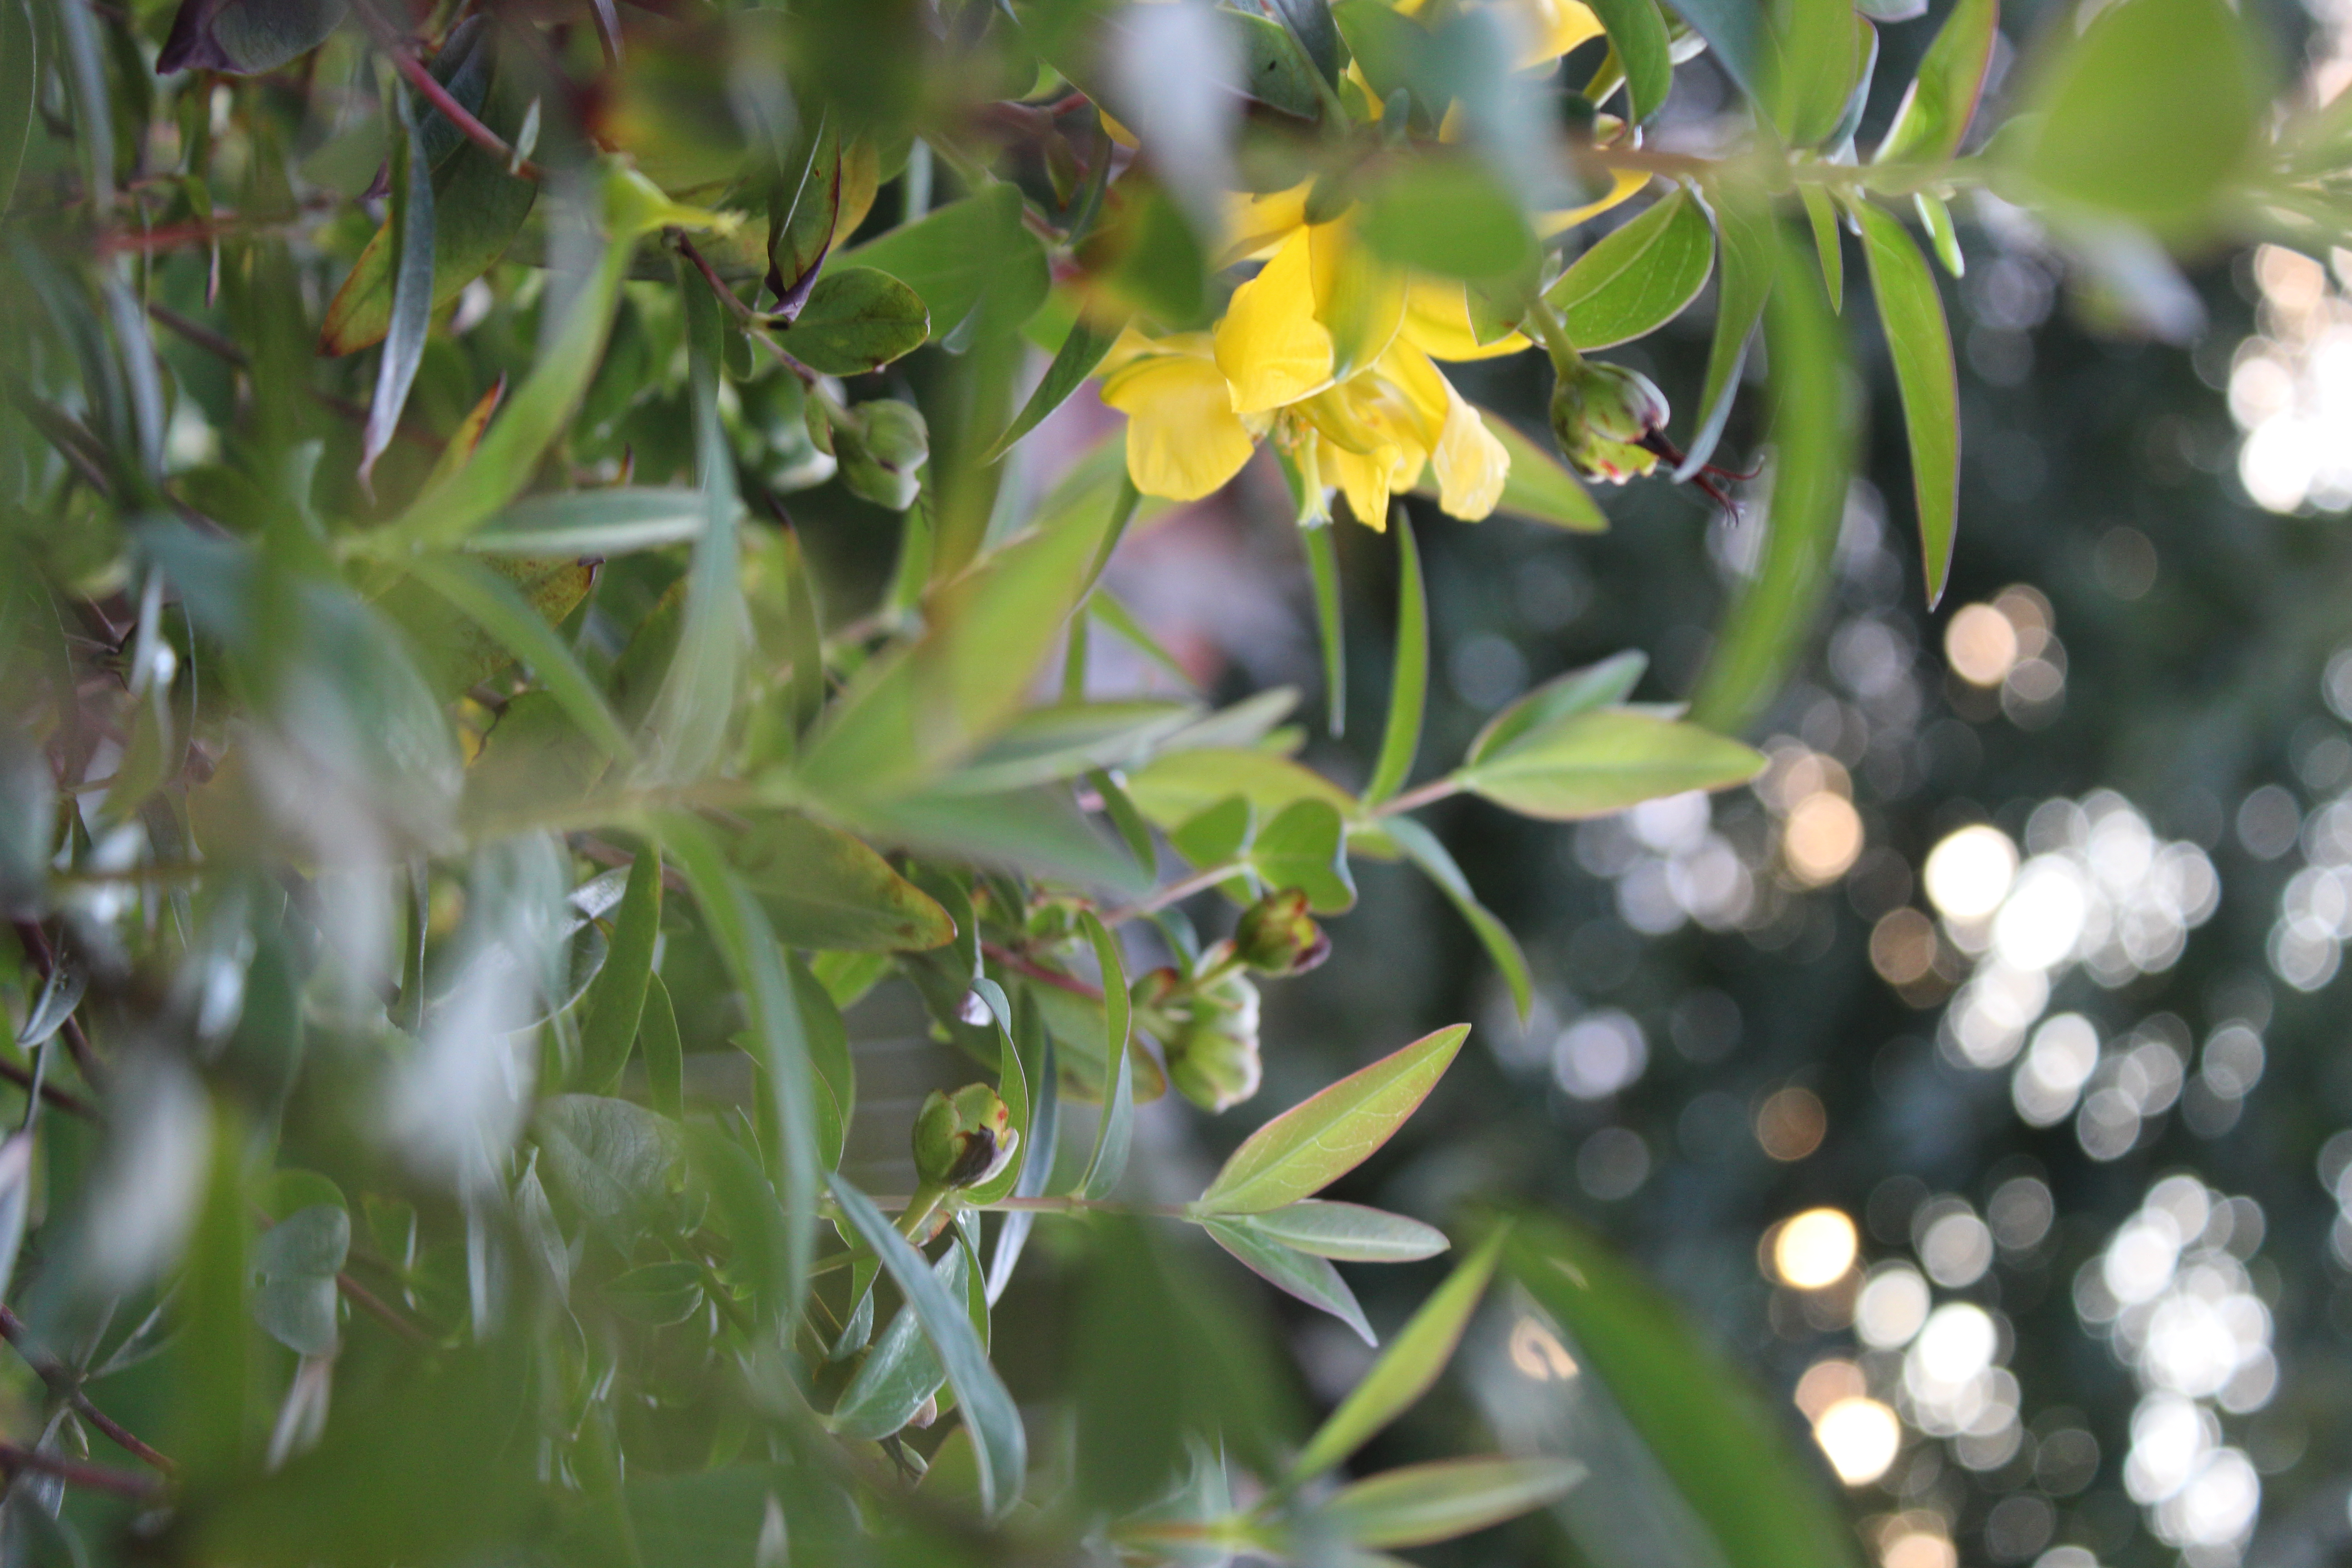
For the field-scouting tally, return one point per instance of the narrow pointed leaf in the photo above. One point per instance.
(1745, 244)
(1422, 846)
(1638, 33)
(1012, 1088)
(1036, 1044)
(1301, 1274)
(411, 284)
(1117, 1134)
(617, 999)
(901, 1371)
(664, 1052)
(1820, 212)
(1082, 349)
(1348, 1232)
(999, 1442)
(498, 607)
(856, 320)
(1933, 118)
(1936, 217)
(1601, 685)
(1423, 1503)
(1407, 1369)
(594, 522)
(1920, 342)
(1639, 277)
(1592, 763)
(1409, 683)
(1314, 1144)
(1331, 635)
(20, 77)
(1812, 436)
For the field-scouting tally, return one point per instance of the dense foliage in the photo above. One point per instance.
(538, 577)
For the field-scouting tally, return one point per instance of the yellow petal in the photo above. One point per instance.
(1557, 26)
(1364, 480)
(1471, 464)
(1421, 394)
(1255, 224)
(1115, 131)
(1183, 439)
(1270, 346)
(1437, 322)
(1358, 297)
(1623, 187)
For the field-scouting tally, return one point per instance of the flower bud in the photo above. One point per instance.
(1212, 1056)
(1605, 418)
(962, 1140)
(1276, 936)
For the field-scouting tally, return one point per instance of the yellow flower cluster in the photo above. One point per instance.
(1330, 351)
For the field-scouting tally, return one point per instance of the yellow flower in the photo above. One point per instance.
(1371, 434)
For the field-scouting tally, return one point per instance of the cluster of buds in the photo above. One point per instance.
(1207, 1032)
(1277, 936)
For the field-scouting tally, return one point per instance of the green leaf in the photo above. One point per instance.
(297, 1260)
(1273, 71)
(1012, 1088)
(1061, 741)
(611, 1160)
(1601, 685)
(1306, 848)
(1815, 65)
(410, 225)
(1745, 243)
(1115, 1134)
(1000, 1443)
(971, 256)
(656, 1294)
(1408, 1368)
(744, 1208)
(1734, 35)
(1718, 1443)
(617, 999)
(1301, 1274)
(1638, 278)
(821, 888)
(1423, 1503)
(1331, 632)
(1043, 1140)
(1040, 831)
(1422, 846)
(664, 1052)
(2149, 114)
(1937, 219)
(20, 78)
(1082, 349)
(1539, 487)
(1813, 436)
(1592, 763)
(1217, 835)
(1934, 115)
(1350, 1232)
(1449, 217)
(594, 522)
(1409, 684)
(1133, 831)
(478, 206)
(1920, 344)
(1179, 784)
(498, 607)
(1638, 33)
(902, 1369)
(1317, 1142)
(245, 36)
(686, 730)
(738, 929)
(1820, 212)
(856, 320)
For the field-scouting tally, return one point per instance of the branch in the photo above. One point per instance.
(67, 1384)
(383, 1312)
(82, 1473)
(1021, 963)
(433, 93)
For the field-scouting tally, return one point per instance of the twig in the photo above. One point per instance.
(376, 1307)
(1020, 963)
(433, 93)
(67, 1386)
(66, 1100)
(37, 948)
(1175, 892)
(1415, 799)
(80, 1473)
(211, 342)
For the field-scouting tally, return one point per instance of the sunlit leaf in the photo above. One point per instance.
(1317, 1142)
(1638, 33)
(1594, 762)
(1408, 1368)
(1423, 1503)
(1305, 847)
(1920, 344)
(1934, 115)
(1305, 1275)
(1082, 350)
(1639, 277)
(1745, 242)
(1348, 1232)
(1601, 685)
(1409, 682)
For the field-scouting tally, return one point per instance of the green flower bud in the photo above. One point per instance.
(1276, 936)
(1606, 419)
(963, 1139)
(1212, 1056)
